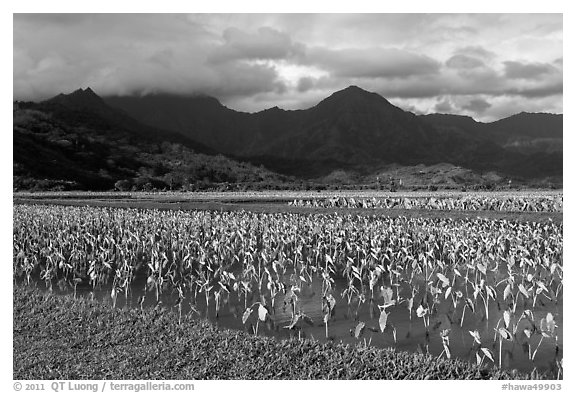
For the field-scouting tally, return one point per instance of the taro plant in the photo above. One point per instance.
(504, 335)
(328, 309)
(299, 320)
(178, 304)
(424, 313)
(547, 330)
(263, 315)
(445, 336)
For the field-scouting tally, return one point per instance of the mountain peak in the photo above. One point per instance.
(355, 99)
(356, 93)
(81, 98)
(354, 88)
(87, 92)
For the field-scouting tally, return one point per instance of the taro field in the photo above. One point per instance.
(489, 291)
(535, 203)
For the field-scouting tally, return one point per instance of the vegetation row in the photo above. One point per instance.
(475, 202)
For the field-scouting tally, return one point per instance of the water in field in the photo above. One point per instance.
(405, 331)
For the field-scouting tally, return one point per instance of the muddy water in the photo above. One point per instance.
(410, 331)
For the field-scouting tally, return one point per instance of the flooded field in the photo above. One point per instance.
(404, 330)
(487, 291)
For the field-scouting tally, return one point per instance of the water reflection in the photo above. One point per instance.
(404, 330)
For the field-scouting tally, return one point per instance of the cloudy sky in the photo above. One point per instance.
(487, 66)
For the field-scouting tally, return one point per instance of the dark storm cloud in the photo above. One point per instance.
(305, 84)
(242, 79)
(425, 89)
(443, 106)
(477, 105)
(463, 61)
(372, 62)
(137, 54)
(517, 70)
(265, 43)
(547, 90)
(256, 61)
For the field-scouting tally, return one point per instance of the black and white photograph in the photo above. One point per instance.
(286, 196)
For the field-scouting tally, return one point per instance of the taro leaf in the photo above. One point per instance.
(410, 304)
(553, 268)
(482, 268)
(421, 311)
(331, 303)
(326, 318)
(487, 353)
(383, 319)
(523, 291)
(507, 316)
(508, 292)
(528, 333)
(246, 315)
(506, 335)
(294, 322)
(478, 359)
(435, 291)
(491, 292)
(448, 291)
(482, 282)
(477, 290)
(548, 325)
(373, 279)
(262, 313)
(359, 329)
(387, 295)
(528, 315)
(541, 287)
(470, 304)
(476, 336)
(445, 281)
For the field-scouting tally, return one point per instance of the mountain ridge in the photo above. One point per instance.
(352, 130)
(77, 141)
